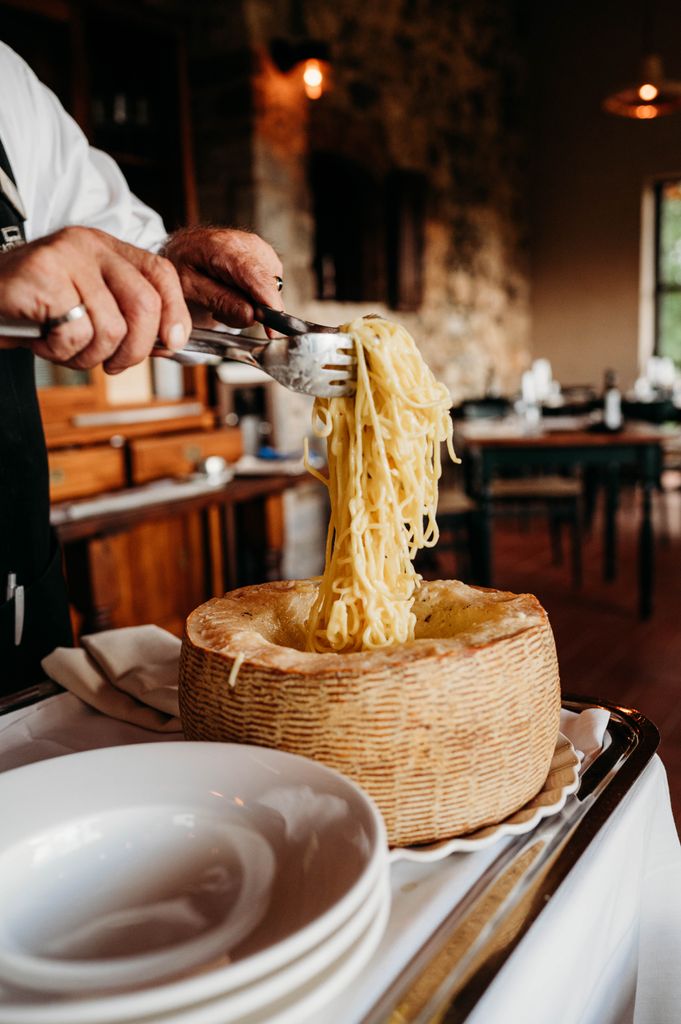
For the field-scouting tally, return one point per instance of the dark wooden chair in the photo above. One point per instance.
(557, 497)
(457, 518)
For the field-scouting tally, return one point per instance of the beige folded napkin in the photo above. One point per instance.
(129, 674)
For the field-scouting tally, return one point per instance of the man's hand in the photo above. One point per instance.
(223, 270)
(132, 298)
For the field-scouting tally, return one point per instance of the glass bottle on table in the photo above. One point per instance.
(529, 404)
(612, 402)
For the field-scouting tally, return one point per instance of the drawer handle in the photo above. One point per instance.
(192, 452)
(57, 475)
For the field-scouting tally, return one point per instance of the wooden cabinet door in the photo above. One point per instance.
(154, 572)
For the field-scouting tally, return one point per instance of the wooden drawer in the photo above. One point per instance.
(154, 457)
(79, 472)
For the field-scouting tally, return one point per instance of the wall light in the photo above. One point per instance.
(313, 79)
(312, 54)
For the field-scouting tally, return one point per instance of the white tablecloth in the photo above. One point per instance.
(605, 950)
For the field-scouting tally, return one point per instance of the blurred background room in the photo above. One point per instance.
(503, 177)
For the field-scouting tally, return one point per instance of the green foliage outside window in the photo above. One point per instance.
(668, 327)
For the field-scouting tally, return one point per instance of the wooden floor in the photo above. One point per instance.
(604, 649)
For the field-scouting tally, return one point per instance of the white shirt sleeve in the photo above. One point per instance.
(61, 179)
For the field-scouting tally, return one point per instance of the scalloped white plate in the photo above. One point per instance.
(561, 781)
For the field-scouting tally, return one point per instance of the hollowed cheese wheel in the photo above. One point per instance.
(449, 733)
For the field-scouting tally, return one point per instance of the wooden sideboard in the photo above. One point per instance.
(157, 562)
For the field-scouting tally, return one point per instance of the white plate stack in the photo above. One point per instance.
(190, 883)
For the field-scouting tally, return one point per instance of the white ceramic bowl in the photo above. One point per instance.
(131, 864)
(306, 1001)
(308, 976)
(123, 896)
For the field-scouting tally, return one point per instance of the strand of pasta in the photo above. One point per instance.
(383, 450)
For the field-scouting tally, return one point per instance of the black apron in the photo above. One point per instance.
(28, 548)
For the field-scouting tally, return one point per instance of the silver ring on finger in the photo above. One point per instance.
(75, 313)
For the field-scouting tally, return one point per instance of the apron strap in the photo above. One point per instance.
(28, 550)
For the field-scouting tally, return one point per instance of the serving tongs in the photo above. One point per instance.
(312, 359)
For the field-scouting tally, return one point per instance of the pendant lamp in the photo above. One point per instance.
(653, 95)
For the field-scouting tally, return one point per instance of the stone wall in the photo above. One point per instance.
(423, 85)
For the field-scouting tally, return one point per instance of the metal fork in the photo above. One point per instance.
(315, 360)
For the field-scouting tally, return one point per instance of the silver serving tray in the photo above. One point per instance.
(449, 974)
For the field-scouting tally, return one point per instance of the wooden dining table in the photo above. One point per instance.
(496, 447)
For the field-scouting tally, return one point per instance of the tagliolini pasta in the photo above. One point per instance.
(384, 463)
